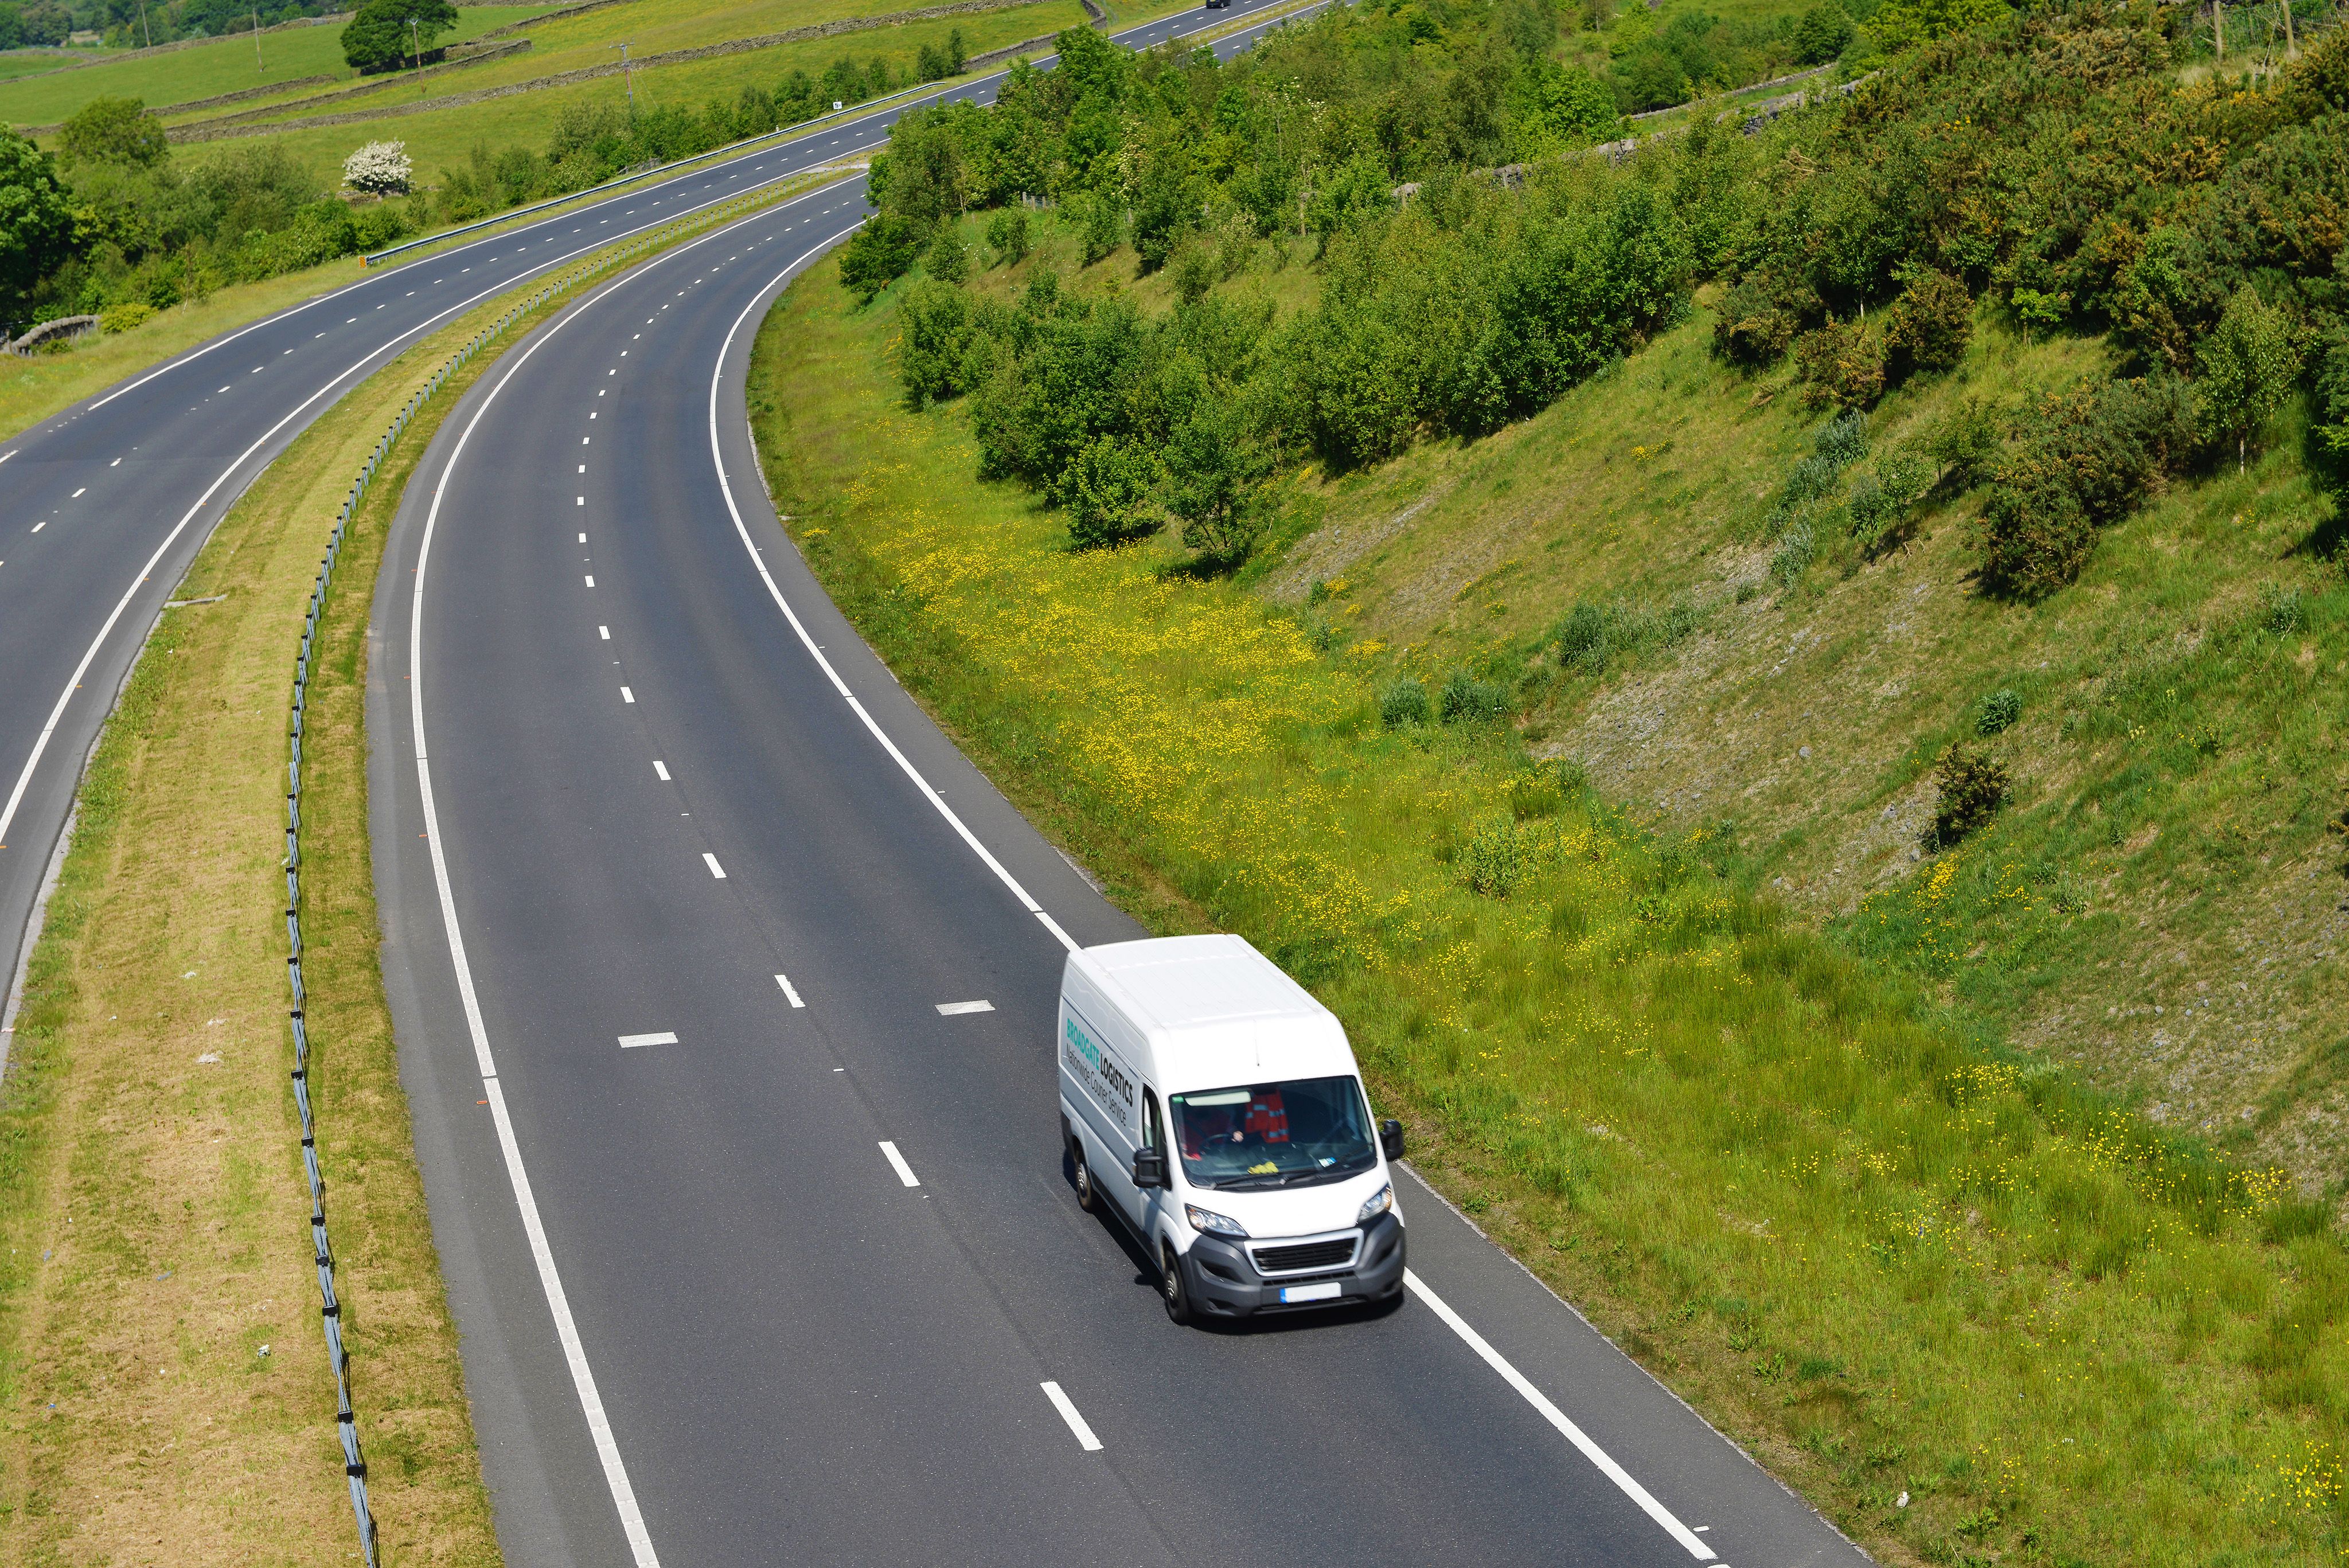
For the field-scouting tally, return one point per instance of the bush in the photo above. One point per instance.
(1842, 441)
(1998, 713)
(1194, 271)
(1965, 443)
(878, 255)
(2247, 366)
(1495, 859)
(1841, 365)
(1881, 502)
(124, 317)
(1794, 556)
(2032, 535)
(1007, 235)
(1754, 327)
(114, 131)
(2085, 460)
(1931, 324)
(1466, 699)
(1404, 702)
(379, 168)
(1104, 228)
(936, 318)
(1972, 787)
(1111, 493)
(949, 260)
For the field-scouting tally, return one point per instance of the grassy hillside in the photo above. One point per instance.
(2160, 908)
(224, 65)
(1890, 1261)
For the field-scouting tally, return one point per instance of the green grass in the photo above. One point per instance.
(224, 65)
(1884, 1257)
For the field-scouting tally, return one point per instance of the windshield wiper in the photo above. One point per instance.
(1248, 1183)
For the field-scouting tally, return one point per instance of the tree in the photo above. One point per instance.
(2248, 364)
(113, 131)
(378, 169)
(1823, 33)
(1104, 227)
(1212, 465)
(380, 37)
(37, 227)
(878, 255)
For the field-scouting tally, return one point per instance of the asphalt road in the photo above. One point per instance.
(103, 507)
(636, 780)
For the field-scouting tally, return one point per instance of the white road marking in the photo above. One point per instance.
(1068, 1409)
(715, 869)
(591, 580)
(660, 770)
(954, 1008)
(726, 488)
(626, 695)
(630, 1041)
(605, 632)
(788, 994)
(116, 463)
(582, 500)
(77, 494)
(582, 467)
(905, 1173)
(10, 452)
(1573, 1434)
(36, 528)
(582, 539)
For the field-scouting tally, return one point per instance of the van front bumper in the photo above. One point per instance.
(1223, 1282)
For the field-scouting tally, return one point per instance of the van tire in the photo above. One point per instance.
(1088, 1194)
(1172, 1290)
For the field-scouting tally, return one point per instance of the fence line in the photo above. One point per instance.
(330, 1309)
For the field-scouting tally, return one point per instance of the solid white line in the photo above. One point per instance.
(726, 487)
(951, 1009)
(660, 770)
(1068, 1409)
(905, 1171)
(1557, 1418)
(793, 995)
(630, 1041)
(715, 869)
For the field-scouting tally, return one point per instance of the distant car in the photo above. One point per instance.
(1215, 1106)
(1217, 5)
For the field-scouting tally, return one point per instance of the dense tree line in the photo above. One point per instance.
(2051, 165)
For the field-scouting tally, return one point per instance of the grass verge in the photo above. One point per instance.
(151, 1193)
(1974, 1312)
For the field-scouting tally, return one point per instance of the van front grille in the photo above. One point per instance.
(1334, 1254)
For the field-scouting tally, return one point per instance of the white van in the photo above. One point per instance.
(1207, 1098)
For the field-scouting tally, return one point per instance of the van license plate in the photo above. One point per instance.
(1326, 1291)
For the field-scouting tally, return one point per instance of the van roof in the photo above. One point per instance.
(1216, 1010)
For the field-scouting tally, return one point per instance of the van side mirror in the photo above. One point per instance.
(1149, 1169)
(1390, 1139)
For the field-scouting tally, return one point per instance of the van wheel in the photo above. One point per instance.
(1088, 1195)
(1172, 1290)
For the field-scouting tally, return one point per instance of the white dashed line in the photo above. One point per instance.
(954, 1008)
(905, 1171)
(1068, 1409)
(715, 869)
(626, 695)
(660, 770)
(604, 631)
(630, 1041)
(790, 995)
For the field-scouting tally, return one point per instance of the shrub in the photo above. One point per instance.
(1881, 502)
(2032, 535)
(378, 169)
(1404, 702)
(1536, 793)
(1972, 787)
(124, 317)
(1842, 441)
(1932, 323)
(937, 330)
(1965, 442)
(1823, 34)
(1998, 713)
(1194, 271)
(1007, 235)
(878, 255)
(949, 260)
(2085, 460)
(1754, 327)
(2282, 614)
(1842, 366)
(114, 131)
(1810, 479)
(1104, 228)
(1111, 492)
(1494, 860)
(1466, 699)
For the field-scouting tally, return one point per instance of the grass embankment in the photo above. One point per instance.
(2158, 907)
(152, 1178)
(150, 1162)
(1885, 1262)
(222, 66)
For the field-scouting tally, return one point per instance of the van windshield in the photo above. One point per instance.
(1290, 1134)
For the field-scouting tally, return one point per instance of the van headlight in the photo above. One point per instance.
(1215, 1224)
(1378, 1203)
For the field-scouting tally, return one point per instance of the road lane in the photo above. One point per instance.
(756, 1288)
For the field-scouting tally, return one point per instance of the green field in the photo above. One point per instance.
(225, 66)
(437, 138)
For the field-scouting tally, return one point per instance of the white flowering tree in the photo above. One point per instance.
(378, 169)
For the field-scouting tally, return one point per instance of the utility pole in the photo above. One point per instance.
(625, 77)
(257, 66)
(2290, 44)
(143, 26)
(2218, 30)
(417, 37)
